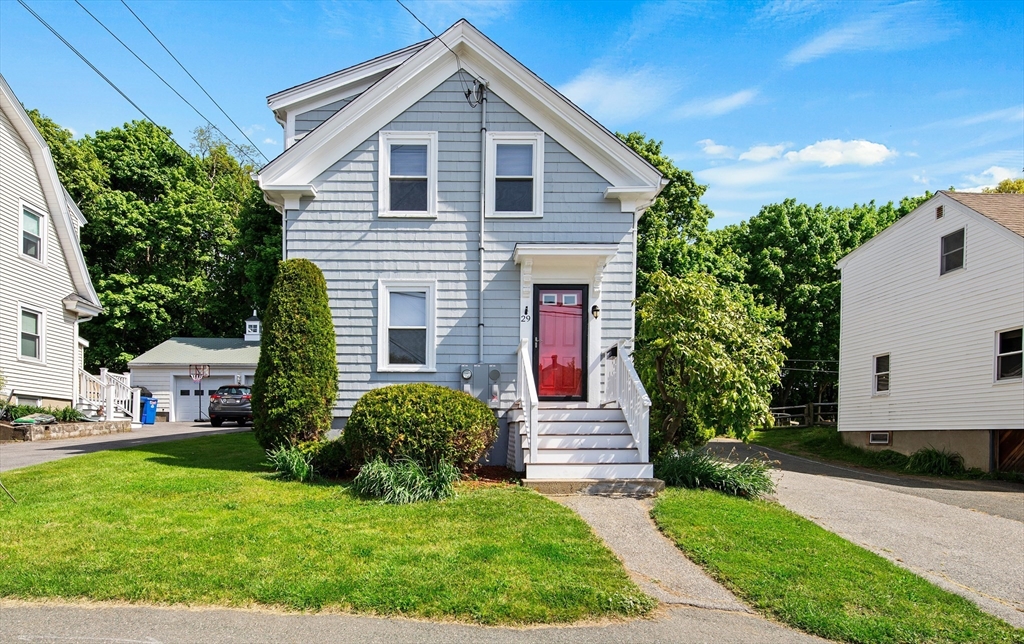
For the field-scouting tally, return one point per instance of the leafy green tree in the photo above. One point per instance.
(709, 358)
(1015, 186)
(296, 380)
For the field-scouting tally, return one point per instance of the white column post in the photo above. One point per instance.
(108, 405)
(136, 405)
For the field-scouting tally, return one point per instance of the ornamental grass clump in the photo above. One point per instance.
(936, 462)
(698, 469)
(291, 463)
(405, 481)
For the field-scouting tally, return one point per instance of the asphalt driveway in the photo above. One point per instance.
(965, 536)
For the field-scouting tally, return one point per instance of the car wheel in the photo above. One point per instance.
(242, 422)
(216, 422)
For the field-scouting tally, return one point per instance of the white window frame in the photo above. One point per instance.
(942, 255)
(389, 138)
(384, 289)
(43, 229)
(41, 316)
(536, 139)
(875, 374)
(995, 362)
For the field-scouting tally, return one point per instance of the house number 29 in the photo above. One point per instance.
(526, 315)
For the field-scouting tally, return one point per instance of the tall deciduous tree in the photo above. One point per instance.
(1015, 186)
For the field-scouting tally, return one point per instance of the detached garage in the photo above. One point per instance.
(164, 370)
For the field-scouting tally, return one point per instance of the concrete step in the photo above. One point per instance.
(610, 414)
(567, 427)
(617, 441)
(570, 471)
(588, 456)
(636, 488)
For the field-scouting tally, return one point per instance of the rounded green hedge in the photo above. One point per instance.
(422, 422)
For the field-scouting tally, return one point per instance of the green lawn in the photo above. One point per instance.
(805, 576)
(203, 522)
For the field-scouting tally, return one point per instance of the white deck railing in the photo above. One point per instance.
(110, 392)
(528, 398)
(623, 386)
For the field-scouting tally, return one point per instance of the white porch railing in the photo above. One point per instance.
(109, 392)
(528, 397)
(623, 386)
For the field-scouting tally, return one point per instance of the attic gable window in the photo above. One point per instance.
(515, 174)
(33, 228)
(407, 184)
(952, 252)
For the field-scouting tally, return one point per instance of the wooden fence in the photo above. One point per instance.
(806, 415)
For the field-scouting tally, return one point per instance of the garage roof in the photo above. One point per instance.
(181, 352)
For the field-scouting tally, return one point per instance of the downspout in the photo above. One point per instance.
(482, 89)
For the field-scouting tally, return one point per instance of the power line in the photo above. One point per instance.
(226, 115)
(101, 75)
(164, 81)
(458, 60)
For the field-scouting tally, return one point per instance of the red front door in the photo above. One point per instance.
(560, 340)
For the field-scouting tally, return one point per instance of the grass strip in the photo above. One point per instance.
(809, 578)
(204, 522)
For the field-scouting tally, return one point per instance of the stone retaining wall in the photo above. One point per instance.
(61, 430)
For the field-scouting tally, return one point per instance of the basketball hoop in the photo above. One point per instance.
(199, 371)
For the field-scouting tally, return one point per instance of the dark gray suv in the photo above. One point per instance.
(231, 402)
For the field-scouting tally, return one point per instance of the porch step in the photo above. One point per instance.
(589, 471)
(637, 488)
(598, 455)
(561, 414)
(547, 441)
(568, 427)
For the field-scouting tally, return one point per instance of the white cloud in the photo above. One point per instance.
(1008, 115)
(618, 96)
(922, 178)
(989, 178)
(270, 141)
(790, 10)
(716, 106)
(760, 153)
(713, 149)
(739, 175)
(835, 152)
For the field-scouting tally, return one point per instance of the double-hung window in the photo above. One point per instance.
(1009, 356)
(515, 174)
(952, 252)
(31, 335)
(406, 323)
(408, 174)
(881, 375)
(33, 231)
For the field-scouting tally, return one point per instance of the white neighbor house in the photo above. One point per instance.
(45, 289)
(476, 230)
(930, 342)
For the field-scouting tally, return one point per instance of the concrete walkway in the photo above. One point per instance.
(98, 623)
(965, 538)
(23, 454)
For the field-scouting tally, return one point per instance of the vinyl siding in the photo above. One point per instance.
(29, 283)
(308, 121)
(938, 329)
(158, 381)
(340, 232)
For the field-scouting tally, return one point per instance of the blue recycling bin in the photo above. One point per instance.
(148, 416)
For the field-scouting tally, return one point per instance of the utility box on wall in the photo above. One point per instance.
(483, 382)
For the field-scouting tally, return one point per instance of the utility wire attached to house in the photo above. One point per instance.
(472, 94)
(198, 84)
(169, 86)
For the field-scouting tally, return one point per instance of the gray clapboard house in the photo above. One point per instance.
(476, 230)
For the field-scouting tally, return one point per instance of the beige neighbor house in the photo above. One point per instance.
(930, 342)
(45, 290)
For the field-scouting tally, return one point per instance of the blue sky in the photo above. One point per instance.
(820, 101)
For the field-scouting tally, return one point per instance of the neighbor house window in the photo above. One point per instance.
(515, 174)
(881, 377)
(31, 335)
(952, 252)
(1008, 355)
(32, 230)
(405, 334)
(408, 174)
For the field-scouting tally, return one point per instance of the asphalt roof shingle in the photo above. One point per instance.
(1006, 209)
(211, 351)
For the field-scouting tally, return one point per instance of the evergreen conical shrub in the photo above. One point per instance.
(296, 380)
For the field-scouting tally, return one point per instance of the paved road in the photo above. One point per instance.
(98, 624)
(965, 536)
(23, 454)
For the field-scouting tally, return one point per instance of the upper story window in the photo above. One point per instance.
(881, 377)
(1009, 356)
(33, 230)
(408, 174)
(31, 335)
(515, 174)
(406, 323)
(952, 252)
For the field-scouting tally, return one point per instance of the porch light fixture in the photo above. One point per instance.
(595, 311)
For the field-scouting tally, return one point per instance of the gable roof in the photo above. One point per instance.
(633, 179)
(1005, 209)
(211, 351)
(61, 207)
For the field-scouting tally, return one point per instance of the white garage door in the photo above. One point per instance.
(191, 397)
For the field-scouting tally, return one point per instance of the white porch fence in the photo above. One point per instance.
(622, 386)
(529, 398)
(110, 394)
